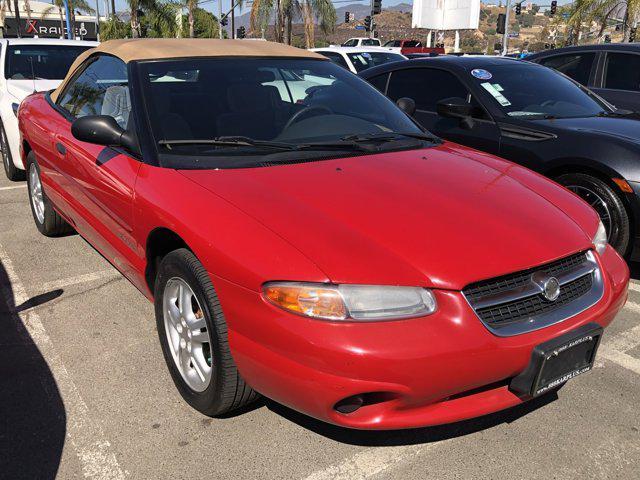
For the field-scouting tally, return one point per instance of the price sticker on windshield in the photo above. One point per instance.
(495, 93)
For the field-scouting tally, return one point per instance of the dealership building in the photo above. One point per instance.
(44, 21)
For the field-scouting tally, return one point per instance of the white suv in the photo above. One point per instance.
(26, 66)
(362, 42)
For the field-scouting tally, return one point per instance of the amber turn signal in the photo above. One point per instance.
(310, 300)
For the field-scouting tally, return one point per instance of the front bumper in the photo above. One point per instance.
(425, 371)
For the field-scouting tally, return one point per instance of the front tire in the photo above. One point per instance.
(193, 336)
(607, 202)
(13, 173)
(47, 220)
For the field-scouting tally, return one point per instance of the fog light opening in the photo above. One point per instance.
(355, 402)
(349, 404)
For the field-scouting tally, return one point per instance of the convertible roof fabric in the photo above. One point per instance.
(164, 48)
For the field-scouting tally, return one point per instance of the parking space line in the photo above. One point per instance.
(86, 436)
(85, 278)
(13, 187)
(372, 461)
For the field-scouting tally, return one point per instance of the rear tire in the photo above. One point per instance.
(47, 220)
(13, 173)
(607, 202)
(215, 390)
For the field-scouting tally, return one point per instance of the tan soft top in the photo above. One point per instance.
(132, 49)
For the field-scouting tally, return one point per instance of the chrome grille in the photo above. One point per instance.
(514, 303)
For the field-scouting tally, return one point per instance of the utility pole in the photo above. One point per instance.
(233, 19)
(98, 20)
(505, 38)
(371, 29)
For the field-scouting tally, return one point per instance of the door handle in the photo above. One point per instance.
(61, 148)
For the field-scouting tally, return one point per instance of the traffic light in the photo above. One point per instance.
(377, 6)
(347, 17)
(632, 34)
(518, 8)
(497, 46)
(224, 21)
(367, 23)
(607, 38)
(554, 7)
(241, 32)
(502, 20)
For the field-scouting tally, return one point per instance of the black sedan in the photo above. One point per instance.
(612, 70)
(534, 116)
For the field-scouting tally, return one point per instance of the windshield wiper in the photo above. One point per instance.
(388, 136)
(229, 142)
(615, 113)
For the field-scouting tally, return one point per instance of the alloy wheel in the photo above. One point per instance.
(597, 203)
(187, 334)
(35, 188)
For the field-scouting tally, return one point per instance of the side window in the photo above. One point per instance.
(350, 43)
(380, 82)
(425, 86)
(101, 89)
(622, 71)
(576, 66)
(336, 58)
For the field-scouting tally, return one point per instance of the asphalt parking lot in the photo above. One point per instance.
(84, 393)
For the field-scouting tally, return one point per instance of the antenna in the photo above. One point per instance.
(33, 73)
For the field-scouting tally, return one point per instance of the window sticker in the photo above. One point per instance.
(498, 87)
(481, 73)
(495, 93)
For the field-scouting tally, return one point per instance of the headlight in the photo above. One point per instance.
(600, 239)
(350, 302)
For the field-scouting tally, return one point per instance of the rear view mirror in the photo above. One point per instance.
(407, 105)
(102, 130)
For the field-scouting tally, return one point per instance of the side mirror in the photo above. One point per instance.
(407, 105)
(456, 107)
(102, 130)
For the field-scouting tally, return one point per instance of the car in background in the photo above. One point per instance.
(534, 116)
(612, 70)
(357, 59)
(317, 247)
(361, 42)
(29, 65)
(411, 46)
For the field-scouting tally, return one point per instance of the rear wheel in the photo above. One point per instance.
(13, 173)
(47, 220)
(607, 203)
(193, 335)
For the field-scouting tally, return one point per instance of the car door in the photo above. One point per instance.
(620, 80)
(427, 86)
(101, 179)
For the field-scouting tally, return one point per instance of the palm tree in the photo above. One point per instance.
(59, 4)
(149, 6)
(191, 8)
(601, 11)
(323, 11)
(5, 5)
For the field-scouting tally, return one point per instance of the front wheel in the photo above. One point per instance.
(193, 335)
(607, 203)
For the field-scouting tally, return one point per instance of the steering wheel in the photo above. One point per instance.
(296, 116)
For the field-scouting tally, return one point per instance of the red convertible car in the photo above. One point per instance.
(303, 238)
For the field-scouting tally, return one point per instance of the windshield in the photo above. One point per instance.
(363, 60)
(48, 62)
(263, 106)
(529, 91)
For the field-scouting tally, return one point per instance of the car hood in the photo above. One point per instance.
(440, 217)
(623, 128)
(21, 88)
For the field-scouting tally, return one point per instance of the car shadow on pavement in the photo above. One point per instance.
(385, 438)
(32, 414)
